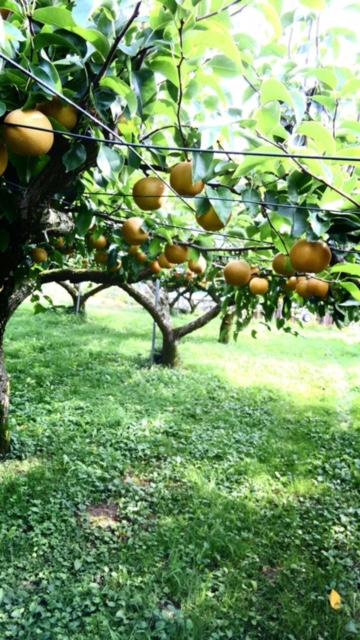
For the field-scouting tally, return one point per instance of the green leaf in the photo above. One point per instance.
(347, 267)
(62, 18)
(43, 40)
(318, 223)
(166, 66)
(201, 165)
(109, 161)
(266, 163)
(194, 254)
(322, 137)
(352, 627)
(83, 221)
(75, 157)
(299, 222)
(316, 5)
(121, 88)
(159, 18)
(351, 87)
(97, 39)
(47, 72)
(349, 127)
(325, 75)
(56, 16)
(225, 67)
(352, 288)
(273, 89)
(4, 239)
(327, 101)
(224, 207)
(272, 18)
(155, 247)
(215, 35)
(251, 198)
(268, 118)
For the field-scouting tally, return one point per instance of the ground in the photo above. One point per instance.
(216, 501)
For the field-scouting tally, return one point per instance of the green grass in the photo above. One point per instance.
(234, 479)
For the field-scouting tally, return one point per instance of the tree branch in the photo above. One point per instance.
(308, 172)
(19, 296)
(215, 13)
(179, 294)
(148, 304)
(180, 332)
(94, 291)
(271, 225)
(69, 289)
(81, 275)
(180, 94)
(112, 53)
(168, 126)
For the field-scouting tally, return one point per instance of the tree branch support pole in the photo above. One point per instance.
(78, 300)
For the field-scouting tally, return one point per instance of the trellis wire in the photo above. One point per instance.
(154, 147)
(88, 115)
(268, 205)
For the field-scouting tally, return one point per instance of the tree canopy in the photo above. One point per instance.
(131, 90)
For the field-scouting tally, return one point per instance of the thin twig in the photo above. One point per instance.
(112, 53)
(334, 118)
(117, 138)
(180, 92)
(168, 126)
(308, 172)
(215, 13)
(317, 40)
(272, 226)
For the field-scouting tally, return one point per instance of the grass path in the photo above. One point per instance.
(217, 501)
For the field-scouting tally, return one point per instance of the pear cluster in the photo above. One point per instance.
(29, 132)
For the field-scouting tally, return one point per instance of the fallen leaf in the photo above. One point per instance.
(334, 599)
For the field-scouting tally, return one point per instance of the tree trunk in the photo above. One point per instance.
(10, 299)
(4, 405)
(170, 352)
(226, 327)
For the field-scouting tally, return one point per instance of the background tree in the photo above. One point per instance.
(98, 107)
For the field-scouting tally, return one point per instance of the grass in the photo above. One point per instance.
(216, 501)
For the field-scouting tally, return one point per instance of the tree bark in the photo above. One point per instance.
(4, 405)
(73, 293)
(160, 313)
(226, 327)
(199, 322)
(170, 351)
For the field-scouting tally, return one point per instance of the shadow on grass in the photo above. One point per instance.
(235, 505)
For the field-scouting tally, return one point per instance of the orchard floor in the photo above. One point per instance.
(217, 501)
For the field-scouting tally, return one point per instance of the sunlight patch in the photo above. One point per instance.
(104, 516)
(19, 467)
